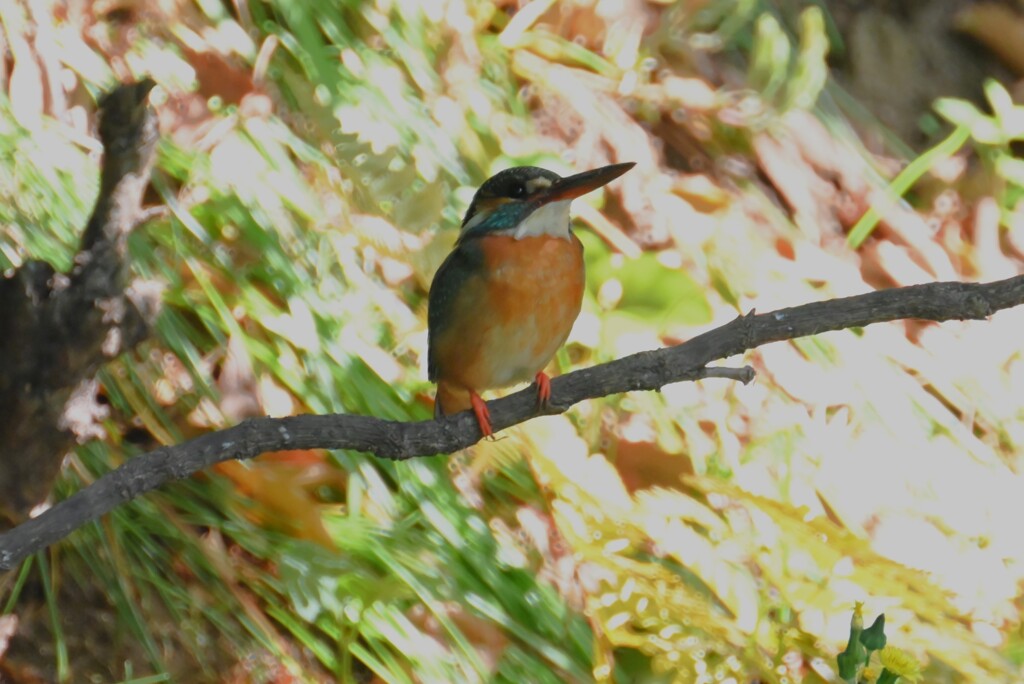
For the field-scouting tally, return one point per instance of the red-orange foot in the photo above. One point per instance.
(543, 391)
(483, 416)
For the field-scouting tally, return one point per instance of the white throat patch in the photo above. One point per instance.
(551, 219)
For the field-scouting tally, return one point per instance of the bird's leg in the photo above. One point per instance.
(483, 416)
(543, 391)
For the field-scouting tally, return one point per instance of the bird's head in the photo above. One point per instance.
(528, 200)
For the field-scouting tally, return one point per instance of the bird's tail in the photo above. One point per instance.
(450, 399)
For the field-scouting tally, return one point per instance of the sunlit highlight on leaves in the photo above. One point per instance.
(704, 533)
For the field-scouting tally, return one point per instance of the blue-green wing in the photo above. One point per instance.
(465, 261)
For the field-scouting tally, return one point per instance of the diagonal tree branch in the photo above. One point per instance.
(394, 440)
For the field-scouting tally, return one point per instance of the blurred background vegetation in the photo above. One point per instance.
(316, 160)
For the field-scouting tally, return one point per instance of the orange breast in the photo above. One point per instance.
(509, 319)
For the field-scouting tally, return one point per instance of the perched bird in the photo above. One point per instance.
(505, 299)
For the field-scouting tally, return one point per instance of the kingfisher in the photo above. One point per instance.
(503, 302)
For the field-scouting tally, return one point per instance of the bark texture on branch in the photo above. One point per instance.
(388, 439)
(59, 328)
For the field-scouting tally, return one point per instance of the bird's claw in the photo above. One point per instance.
(483, 416)
(544, 404)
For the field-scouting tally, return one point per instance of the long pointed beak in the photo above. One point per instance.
(572, 187)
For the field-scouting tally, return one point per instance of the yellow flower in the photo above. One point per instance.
(870, 674)
(901, 663)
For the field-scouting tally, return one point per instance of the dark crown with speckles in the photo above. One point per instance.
(508, 184)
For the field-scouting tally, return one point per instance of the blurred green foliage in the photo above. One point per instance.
(684, 536)
(994, 135)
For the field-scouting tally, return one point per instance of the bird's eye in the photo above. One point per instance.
(519, 190)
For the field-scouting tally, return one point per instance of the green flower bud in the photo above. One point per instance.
(873, 637)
